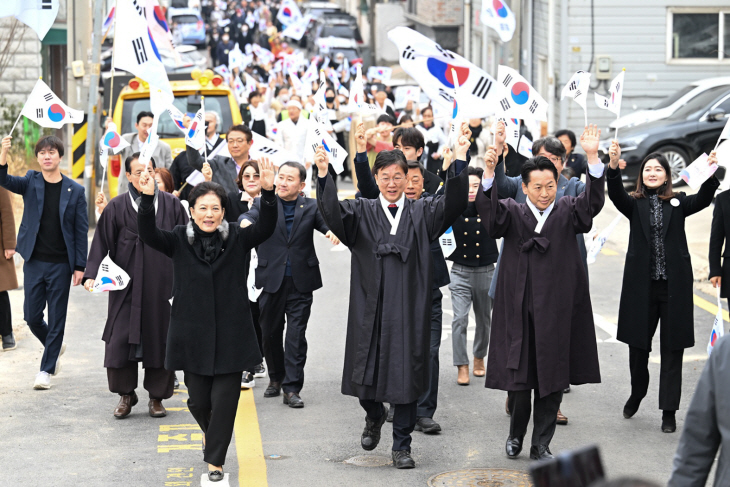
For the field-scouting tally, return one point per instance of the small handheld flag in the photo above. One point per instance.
(47, 110)
(519, 99)
(718, 326)
(110, 277)
(577, 89)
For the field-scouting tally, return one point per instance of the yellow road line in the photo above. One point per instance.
(251, 463)
(709, 307)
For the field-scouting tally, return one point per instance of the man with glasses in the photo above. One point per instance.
(225, 169)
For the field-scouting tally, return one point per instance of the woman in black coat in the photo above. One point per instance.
(657, 281)
(720, 274)
(211, 337)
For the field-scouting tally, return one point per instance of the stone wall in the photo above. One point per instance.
(22, 73)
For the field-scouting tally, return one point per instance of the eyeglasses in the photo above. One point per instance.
(237, 141)
(251, 176)
(396, 180)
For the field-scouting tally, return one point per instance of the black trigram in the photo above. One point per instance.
(120, 280)
(533, 106)
(444, 52)
(139, 9)
(618, 87)
(314, 146)
(48, 96)
(333, 151)
(38, 113)
(316, 131)
(139, 50)
(408, 53)
(577, 94)
(605, 102)
(105, 268)
(505, 104)
(46, 4)
(269, 150)
(446, 96)
(481, 90)
(507, 80)
(573, 86)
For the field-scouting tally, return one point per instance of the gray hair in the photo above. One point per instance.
(217, 120)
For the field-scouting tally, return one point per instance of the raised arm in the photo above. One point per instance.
(717, 240)
(261, 230)
(616, 191)
(160, 240)
(507, 186)
(342, 218)
(365, 180)
(11, 183)
(498, 217)
(195, 160)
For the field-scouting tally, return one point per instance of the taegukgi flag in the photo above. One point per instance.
(431, 65)
(382, 73)
(718, 326)
(577, 89)
(47, 110)
(39, 15)
(288, 12)
(296, 29)
(195, 136)
(110, 277)
(613, 102)
(518, 99)
(112, 140)
(318, 136)
(497, 15)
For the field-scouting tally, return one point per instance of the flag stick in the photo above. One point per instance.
(615, 136)
(103, 177)
(585, 114)
(718, 144)
(183, 186)
(205, 136)
(111, 85)
(15, 124)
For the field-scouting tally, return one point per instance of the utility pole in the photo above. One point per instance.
(91, 137)
(373, 31)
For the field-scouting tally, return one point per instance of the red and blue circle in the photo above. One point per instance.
(455, 110)
(106, 281)
(442, 72)
(193, 129)
(112, 139)
(159, 16)
(56, 113)
(520, 92)
(500, 8)
(154, 46)
(287, 12)
(324, 144)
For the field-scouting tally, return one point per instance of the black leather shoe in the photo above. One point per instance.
(402, 459)
(391, 412)
(371, 434)
(273, 390)
(215, 475)
(513, 447)
(8, 342)
(176, 383)
(540, 452)
(631, 406)
(669, 422)
(427, 425)
(293, 400)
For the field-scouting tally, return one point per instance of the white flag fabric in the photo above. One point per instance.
(597, 244)
(525, 147)
(195, 178)
(430, 64)
(224, 71)
(112, 140)
(577, 89)
(47, 110)
(158, 27)
(296, 29)
(265, 56)
(135, 50)
(456, 117)
(310, 75)
(253, 291)
(263, 147)
(318, 136)
(404, 94)
(288, 12)
(725, 132)
(332, 76)
(345, 68)
(195, 136)
(320, 104)
(357, 91)
(298, 86)
(149, 146)
(497, 15)
(39, 15)
(177, 116)
(518, 98)
(240, 89)
(613, 102)
(235, 59)
(512, 130)
(718, 326)
(382, 73)
(103, 154)
(109, 277)
(447, 242)
(251, 85)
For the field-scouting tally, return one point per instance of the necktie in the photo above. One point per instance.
(541, 213)
(393, 209)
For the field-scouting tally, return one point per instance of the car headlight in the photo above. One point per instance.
(632, 143)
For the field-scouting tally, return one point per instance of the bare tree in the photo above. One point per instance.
(9, 45)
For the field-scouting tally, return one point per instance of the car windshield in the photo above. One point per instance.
(673, 97)
(350, 54)
(345, 31)
(700, 103)
(185, 19)
(167, 128)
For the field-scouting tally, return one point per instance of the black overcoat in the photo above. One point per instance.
(140, 313)
(389, 317)
(549, 262)
(633, 313)
(718, 235)
(211, 331)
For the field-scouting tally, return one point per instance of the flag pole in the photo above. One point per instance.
(717, 144)
(16, 123)
(103, 178)
(205, 136)
(111, 85)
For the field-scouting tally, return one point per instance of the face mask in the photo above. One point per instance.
(284, 98)
(226, 38)
(330, 99)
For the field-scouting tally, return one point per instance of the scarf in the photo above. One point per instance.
(137, 198)
(207, 245)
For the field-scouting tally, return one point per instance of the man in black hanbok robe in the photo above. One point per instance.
(388, 327)
(139, 315)
(543, 336)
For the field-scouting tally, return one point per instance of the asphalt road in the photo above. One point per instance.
(67, 436)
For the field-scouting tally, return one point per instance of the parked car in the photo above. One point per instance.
(338, 25)
(330, 46)
(670, 104)
(681, 138)
(190, 23)
(318, 9)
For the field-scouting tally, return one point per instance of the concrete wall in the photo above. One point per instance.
(25, 66)
(387, 16)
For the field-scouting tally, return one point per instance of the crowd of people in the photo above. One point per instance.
(222, 273)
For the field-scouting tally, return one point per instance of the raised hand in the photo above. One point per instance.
(614, 153)
(147, 183)
(332, 237)
(712, 159)
(500, 136)
(490, 161)
(207, 172)
(463, 143)
(322, 162)
(266, 173)
(100, 202)
(590, 139)
(360, 139)
(448, 157)
(5, 149)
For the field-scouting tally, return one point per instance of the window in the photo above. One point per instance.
(698, 35)
(167, 129)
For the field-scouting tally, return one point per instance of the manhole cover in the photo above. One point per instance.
(369, 461)
(481, 477)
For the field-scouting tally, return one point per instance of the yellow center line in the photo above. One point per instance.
(709, 307)
(251, 463)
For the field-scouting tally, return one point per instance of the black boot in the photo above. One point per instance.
(669, 422)
(371, 434)
(632, 405)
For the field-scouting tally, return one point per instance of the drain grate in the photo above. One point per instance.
(369, 461)
(481, 477)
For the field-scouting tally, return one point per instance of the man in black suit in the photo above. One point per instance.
(288, 273)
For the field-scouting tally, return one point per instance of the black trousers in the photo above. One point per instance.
(670, 372)
(404, 420)
(158, 382)
(213, 401)
(6, 317)
(255, 315)
(285, 361)
(544, 417)
(428, 401)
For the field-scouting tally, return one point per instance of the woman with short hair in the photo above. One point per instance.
(249, 188)
(657, 281)
(211, 337)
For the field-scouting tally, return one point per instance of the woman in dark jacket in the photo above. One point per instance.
(211, 337)
(657, 282)
(249, 188)
(719, 260)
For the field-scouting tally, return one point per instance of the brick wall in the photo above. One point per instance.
(440, 12)
(18, 79)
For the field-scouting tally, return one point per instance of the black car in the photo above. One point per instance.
(681, 138)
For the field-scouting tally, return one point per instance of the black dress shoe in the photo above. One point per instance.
(427, 425)
(176, 384)
(631, 406)
(8, 342)
(293, 400)
(669, 422)
(391, 412)
(513, 447)
(540, 452)
(273, 390)
(371, 434)
(215, 475)
(402, 459)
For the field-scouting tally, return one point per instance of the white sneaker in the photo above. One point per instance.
(259, 372)
(247, 381)
(58, 360)
(42, 381)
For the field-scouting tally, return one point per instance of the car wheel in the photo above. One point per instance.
(678, 160)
